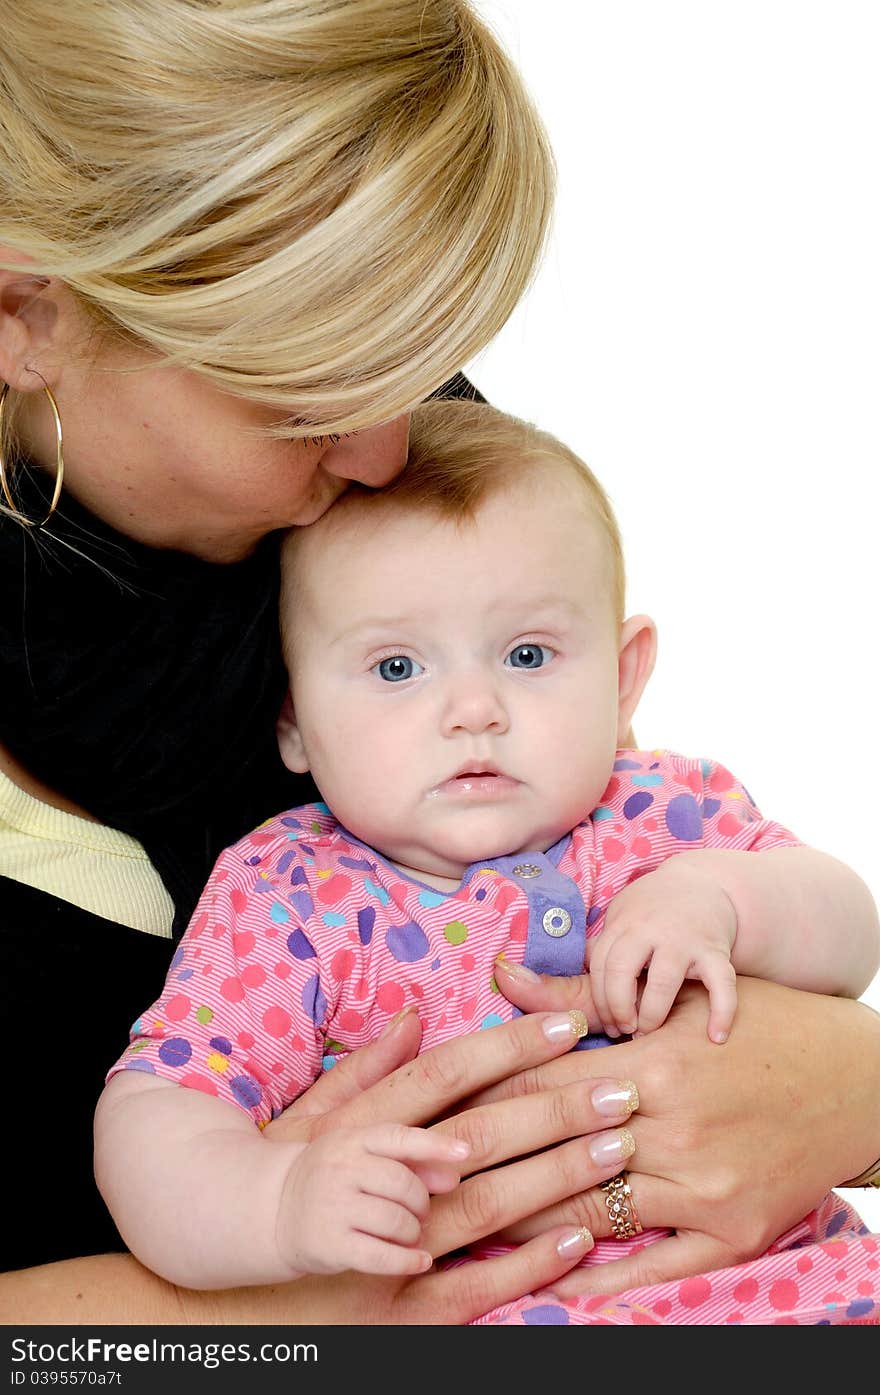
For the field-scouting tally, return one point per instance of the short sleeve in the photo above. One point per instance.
(730, 817)
(242, 1009)
(659, 804)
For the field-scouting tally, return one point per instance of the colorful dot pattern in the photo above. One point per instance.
(304, 944)
(303, 937)
(821, 1273)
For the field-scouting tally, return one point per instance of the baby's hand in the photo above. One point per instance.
(677, 923)
(356, 1199)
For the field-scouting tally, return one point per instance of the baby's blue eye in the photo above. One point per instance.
(397, 669)
(529, 656)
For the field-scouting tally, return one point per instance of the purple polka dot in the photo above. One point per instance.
(480, 894)
(184, 974)
(637, 804)
(300, 945)
(683, 818)
(626, 765)
(407, 943)
(366, 921)
(285, 860)
(313, 999)
(253, 861)
(178, 955)
(710, 807)
(357, 864)
(302, 903)
(140, 1064)
(246, 1091)
(547, 1315)
(291, 823)
(175, 1052)
(298, 875)
(860, 1307)
(836, 1223)
(221, 1044)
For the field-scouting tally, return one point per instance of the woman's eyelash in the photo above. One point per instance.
(331, 436)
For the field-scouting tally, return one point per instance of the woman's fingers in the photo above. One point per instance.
(676, 1257)
(449, 1297)
(427, 1087)
(489, 1201)
(546, 992)
(457, 1295)
(656, 1202)
(354, 1074)
(534, 1122)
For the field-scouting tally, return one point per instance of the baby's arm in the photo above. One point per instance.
(789, 914)
(204, 1200)
(802, 918)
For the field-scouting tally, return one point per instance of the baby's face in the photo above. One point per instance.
(456, 685)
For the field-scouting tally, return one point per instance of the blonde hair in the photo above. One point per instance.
(460, 454)
(324, 205)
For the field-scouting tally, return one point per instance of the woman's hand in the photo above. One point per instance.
(361, 1090)
(734, 1144)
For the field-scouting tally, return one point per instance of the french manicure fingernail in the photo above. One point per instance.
(575, 1243)
(566, 1026)
(517, 971)
(608, 1149)
(615, 1097)
(396, 1020)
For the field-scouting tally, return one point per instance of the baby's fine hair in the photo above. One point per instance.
(461, 453)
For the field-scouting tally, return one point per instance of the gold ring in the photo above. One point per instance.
(621, 1208)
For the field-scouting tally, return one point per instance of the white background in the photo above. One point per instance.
(705, 333)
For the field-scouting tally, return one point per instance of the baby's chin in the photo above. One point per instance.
(445, 869)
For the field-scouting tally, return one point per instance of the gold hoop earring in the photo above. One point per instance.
(59, 458)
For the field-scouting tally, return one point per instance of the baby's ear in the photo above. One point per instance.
(638, 651)
(290, 742)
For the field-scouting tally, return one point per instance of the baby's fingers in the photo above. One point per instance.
(416, 1146)
(624, 964)
(372, 1256)
(666, 973)
(719, 976)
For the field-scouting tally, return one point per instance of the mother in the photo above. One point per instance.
(238, 240)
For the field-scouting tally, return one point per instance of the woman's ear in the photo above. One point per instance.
(290, 742)
(27, 320)
(635, 664)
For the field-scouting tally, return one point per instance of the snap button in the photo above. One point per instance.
(557, 922)
(526, 869)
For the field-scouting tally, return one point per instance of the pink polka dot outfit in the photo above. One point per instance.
(306, 942)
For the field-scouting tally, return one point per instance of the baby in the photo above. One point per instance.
(463, 681)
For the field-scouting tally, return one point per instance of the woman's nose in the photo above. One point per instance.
(373, 456)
